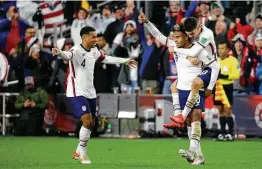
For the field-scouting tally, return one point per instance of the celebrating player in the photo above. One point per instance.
(80, 90)
(207, 78)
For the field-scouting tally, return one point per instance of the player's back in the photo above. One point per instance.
(206, 39)
(80, 79)
(186, 72)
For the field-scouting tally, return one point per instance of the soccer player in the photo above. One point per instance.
(80, 90)
(186, 73)
(206, 79)
(203, 40)
(229, 72)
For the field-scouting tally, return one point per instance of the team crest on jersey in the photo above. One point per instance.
(84, 108)
(203, 40)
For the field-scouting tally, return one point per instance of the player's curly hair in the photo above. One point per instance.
(190, 24)
(178, 27)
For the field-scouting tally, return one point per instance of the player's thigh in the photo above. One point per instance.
(204, 77)
(92, 106)
(80, 106)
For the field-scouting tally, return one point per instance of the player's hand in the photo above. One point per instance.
(27, 103)
(32, 104)
(132, 63)
(142, 17)
(208, 93)
(55, 51)
(193, 60)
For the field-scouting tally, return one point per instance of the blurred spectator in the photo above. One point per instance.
(31, 104)
(220, 32)
(60, 68)
(174, 15)
(18, 55)
(258, 29)
(12, 30)
(51, 14)
(240, 26)
(100, 22)
(101, 74)
(118, 43)
(82, 19)
(115, 27)
(248, 62)
(204, 11)
(217, 14)
(149, 68)
(131, 13)
(128, 77)
(258, 47)
(37, 64)
(27, 9)
(4, 5)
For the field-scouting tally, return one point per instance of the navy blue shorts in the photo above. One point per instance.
(200, 103)
(82, 105)
(205, 76)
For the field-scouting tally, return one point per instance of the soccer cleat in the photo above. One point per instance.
(75, 155)
(84, 159)
(173, 125)
(199, 160)
(221, 137)
(178, 118)
(229, 137)
(187, 154)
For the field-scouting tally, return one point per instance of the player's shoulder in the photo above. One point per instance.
(206, 33)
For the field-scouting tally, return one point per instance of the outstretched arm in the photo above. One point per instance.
(155, 32)
(64, 54)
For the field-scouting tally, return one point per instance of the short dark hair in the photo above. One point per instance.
(100, 35)
(86, 30)
(190, 24)
(224, 42)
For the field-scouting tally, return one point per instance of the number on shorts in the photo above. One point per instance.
(198, 100)
(204, 72)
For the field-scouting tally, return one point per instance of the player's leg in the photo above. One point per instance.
(175, 98)
(222, 120)
(228, 112)
(82, 109)
(197, 84)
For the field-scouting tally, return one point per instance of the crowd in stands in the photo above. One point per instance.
(29, 29)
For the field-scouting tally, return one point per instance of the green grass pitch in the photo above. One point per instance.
(55, 153)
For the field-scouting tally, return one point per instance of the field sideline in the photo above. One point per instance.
(55, 153)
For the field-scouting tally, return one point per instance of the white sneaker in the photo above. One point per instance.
(221, 137)
(199, 161)
(187, 154)
(229, 137)
(84, 159)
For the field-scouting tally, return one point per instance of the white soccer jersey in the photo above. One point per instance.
(81, 65)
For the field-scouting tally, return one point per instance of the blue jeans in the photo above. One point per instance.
(166, 87)
(130, 88)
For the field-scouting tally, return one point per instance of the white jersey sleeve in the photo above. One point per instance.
(110, 59)
(159, 36)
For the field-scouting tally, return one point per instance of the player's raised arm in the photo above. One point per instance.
(64, 54)
(155, 32)
(193, 51)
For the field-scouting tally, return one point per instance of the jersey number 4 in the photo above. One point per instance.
(83, 64)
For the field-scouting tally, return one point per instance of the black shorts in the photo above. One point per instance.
(229, 92)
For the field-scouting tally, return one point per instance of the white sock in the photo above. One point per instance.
(195, 136)
(198, 150)
(191, 101)
(176, 104)
(84, 135)
(189, 131)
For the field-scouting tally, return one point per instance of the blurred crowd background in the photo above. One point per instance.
(29, 29)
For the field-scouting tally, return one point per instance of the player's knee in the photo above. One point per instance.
(197, 84)
(228, 112)
(87, 120)
(196, 115)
